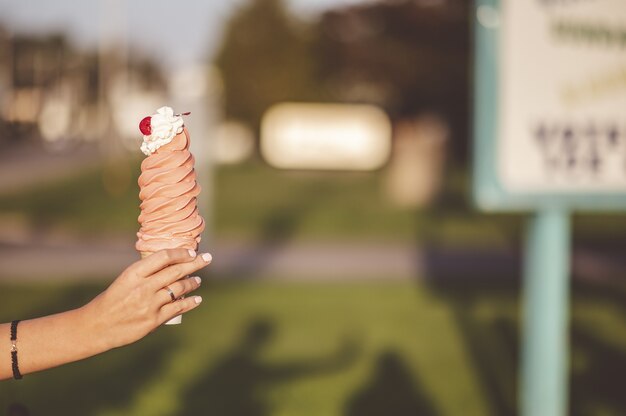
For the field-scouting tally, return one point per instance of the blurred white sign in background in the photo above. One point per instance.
(563, 96)
(325, 136)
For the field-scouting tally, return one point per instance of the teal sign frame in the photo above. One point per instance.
(489, 193)
(545, 286)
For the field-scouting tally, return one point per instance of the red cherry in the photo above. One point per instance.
(145, 127)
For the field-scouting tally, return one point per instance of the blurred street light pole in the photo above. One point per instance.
(195, 88)
(6, 70)
(113, 37)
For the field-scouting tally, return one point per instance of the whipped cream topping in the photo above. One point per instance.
(165, 125)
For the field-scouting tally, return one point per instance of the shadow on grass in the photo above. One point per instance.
(104, 382)
(492, 339)
(85, 388)
(392, 391)
(597, 387)
(235, 385)
(600, 385)
(491, 342)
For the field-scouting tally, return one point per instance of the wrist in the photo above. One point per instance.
(94, 328)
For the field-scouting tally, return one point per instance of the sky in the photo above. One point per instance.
(178, 33)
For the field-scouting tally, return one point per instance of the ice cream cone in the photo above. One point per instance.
(169, 215)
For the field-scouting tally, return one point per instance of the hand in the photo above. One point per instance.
(137, 302)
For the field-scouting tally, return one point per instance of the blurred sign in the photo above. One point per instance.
(551, 103)
(325, 136)
(234, 143)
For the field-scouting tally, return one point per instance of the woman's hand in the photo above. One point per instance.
(135, 304)
(138, 301)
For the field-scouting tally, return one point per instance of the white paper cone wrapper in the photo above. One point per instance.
(175, 320)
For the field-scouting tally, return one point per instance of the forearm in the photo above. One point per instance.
(51, 341)
(146, 294)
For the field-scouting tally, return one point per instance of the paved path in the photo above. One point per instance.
(65, 258)
(24, 256)
(29, 163)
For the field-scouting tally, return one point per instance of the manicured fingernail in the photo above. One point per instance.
(207, 257)
(197, 279)
(197, 299)
(192, 253)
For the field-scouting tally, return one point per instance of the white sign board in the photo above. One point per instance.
(325, 136)
(562, 96)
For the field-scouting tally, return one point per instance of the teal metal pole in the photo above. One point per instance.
(545, 335)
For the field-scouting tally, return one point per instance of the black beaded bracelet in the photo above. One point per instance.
(16, 368)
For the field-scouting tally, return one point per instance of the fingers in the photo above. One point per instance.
(161, 259)
(179, 307)
(171, 274)
(178, 289)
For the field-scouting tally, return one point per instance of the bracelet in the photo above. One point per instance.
(16, 369)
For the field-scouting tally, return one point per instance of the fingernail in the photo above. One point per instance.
(192, 253)
(197, 279)
(198, 299)
(207, 257)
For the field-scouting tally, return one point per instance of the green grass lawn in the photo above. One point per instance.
(344, 348)
(324, 349)
(254, 201)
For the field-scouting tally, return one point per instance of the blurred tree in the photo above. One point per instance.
(40, 68)
(409, 56)
(265, 58)
(38, 60)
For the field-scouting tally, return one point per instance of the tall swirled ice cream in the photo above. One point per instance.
(169, 215)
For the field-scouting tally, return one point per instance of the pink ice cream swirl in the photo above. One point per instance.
(168, 189)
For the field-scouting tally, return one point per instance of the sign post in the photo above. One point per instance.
(545, 314)
(549, 138)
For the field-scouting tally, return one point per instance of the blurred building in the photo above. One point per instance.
(52, 91)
